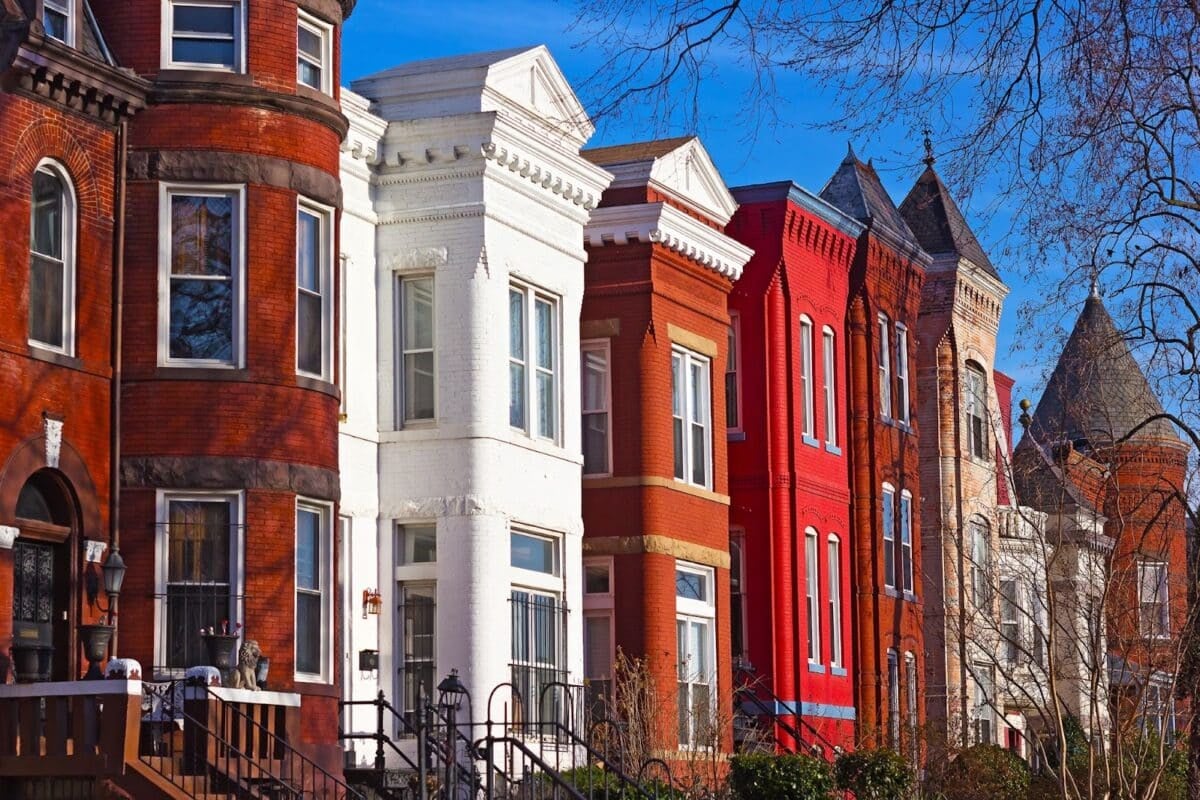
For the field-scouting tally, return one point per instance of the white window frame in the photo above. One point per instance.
(67, 9)
(546, 582)
(737, 578)
(324, 513)
(976, 410)
(239, 36)
(893, 666)
(237, 272)
(829, 370)
(597, 346)
(905, 561)
(981, 562)
(984, 702)
(343, 378)
(834, 550)
(324, 216)
(888, 522)
(69, 234)
(682, 361)
(689, 612)
(808, 422)
(733, 375)
(1160, 628)
(324, 31)
(530, 298)
(812, 593)
(600, 604)
(903, 398)
(237, 563)
(1010, 620)
(911, 706)
(402, 388)
(885, 369)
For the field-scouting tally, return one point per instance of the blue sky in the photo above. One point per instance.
(383, 33)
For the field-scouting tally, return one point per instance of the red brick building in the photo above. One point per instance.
(654, 330)
(886, 280)
(791, 522)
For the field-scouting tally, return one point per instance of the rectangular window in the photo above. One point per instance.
(807, 411)
(533, 361)
(418, 380)
(733, 409)
(52, 261)
(199, 547)
(691, 409)
(910, 669)
(314, 53)
(201, 317)
(314, 294)
(539, 654)
(57, 19)
(534, 553)
(204, 34)
(981, 562)
(975, 391)
(893, 663)
(902, 391)
(885, 370)
(596, 397)
(695, 614)
(417, 544)
(313, 596)
(598, 637)
(985, 726)
(835, 601)
(906, 542)
(1153, 610)
(418, 647)
(829, 364)
(1010, 623)
(737, 600)
(889, 537)
(812, 594)
(343, 363)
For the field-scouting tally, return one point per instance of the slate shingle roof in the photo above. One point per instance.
(939, 226)
(1097, 393)
(856, 190)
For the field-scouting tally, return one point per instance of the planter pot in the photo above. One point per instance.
(31, 663)
(221, 648)
(95, 639)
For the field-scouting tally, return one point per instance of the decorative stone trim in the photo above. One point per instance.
(692, 341)
(661, 224)
(201, 86)
(227, 167)
(93, 551)
(599, 328)
(216, 472)
(658, 545)
(539, 175)
(8, 536)
(656, 481)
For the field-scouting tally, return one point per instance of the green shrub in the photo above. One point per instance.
(874, 774)
(986, 772)
(786, 777)
(594, 781)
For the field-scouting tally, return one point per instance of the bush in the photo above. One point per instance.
(874, 774)
(986, 772)
(595, 781)
(787, 777)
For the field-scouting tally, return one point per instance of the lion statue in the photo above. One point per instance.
(244, 674)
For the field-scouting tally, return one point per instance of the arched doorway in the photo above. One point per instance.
(43, 591)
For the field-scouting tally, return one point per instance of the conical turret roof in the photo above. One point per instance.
(1097, 393)
(855, 189)
(937, 223)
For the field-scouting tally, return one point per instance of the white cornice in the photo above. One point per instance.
(366, 129)
(661, 224)
(542, 175)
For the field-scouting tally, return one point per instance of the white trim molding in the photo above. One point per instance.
(542, 176)
(8, 536)
(662, 224)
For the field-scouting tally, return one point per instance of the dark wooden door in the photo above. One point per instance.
(34, 600)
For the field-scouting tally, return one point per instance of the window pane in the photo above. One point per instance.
(595, 379)
(545, 334)
(47, 214)
(202, 51)
(418, 314)
(55, 23)
(889, 539)
(595, 443)
(308, 549)
(308, 251)
(547, 419)
(201, 235)
(201, 319)
(516, 395)
(46, 301)
(308, 340)
(533, 553)
(308, 633)
(595, 579)
(309, 43)
(699, 455)
(198, 541)
(204, 19)
(308, 73)
(699, 387)
(691, 585)
(420, 544)
(418, 386)
(516, 324)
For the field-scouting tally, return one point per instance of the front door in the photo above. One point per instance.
(33, 610)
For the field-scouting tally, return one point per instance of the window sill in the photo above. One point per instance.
(833, 449)
(819, 669)
(735, 436)
(54, 357)
(318, 385)
(838, 672)
(310, 685)
(810, 441)
(896, 594)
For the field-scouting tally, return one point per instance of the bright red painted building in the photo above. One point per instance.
(790, 518)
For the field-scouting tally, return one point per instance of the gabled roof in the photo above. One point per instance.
(1097, 393)
(679, 168)
(524, 80)
(856, 189)
(939, 226)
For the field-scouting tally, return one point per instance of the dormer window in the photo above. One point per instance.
(204, 34)
(56, 19)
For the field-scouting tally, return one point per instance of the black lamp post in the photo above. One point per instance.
(450, 694)
(96, 638)
(114, 575)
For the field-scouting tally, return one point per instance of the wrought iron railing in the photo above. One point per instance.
(754, 699)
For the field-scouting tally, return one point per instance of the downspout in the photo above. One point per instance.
(114, 477)
(962, 576)
(861, 423)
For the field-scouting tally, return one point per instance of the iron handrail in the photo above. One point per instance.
(751, 693)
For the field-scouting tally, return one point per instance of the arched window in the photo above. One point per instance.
(52, 259)
(975, 398)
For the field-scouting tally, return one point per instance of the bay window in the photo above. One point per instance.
(314, 53)
(596, 394)
(204, 34)
(695, 617)
(533, 362)
(691, 411)
(418, 376)
(314, 632)
(314, 293)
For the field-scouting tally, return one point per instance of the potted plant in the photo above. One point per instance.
(221, 646)
(96, 638)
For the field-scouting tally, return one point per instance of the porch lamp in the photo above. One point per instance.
(451, 691)
(450, 694)
(114, 574)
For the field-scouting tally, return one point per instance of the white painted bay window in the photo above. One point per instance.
(1010, 621)
(691, 410)
(201, 308)
(418, 370)
(52, 260)
(695, 618)
(314, 633)
(314, 292)
(533, 366)
(204, 34)
(596, 396)
(314, 53)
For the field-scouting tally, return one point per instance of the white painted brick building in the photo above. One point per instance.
(480, 198)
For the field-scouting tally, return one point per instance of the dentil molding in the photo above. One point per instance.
(661, 224)
(540, 175)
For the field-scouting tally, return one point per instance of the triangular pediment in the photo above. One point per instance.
(532, 80)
